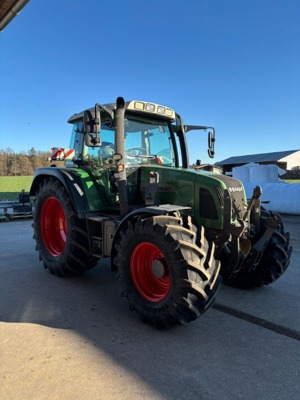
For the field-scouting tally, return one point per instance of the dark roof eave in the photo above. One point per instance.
(264, 157)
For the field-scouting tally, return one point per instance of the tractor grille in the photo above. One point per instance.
(236, 192)
(220, 194)
(208, 207)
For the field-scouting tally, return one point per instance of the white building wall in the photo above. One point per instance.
(293, 160)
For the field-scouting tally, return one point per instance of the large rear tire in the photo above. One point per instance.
(61, 237)
(273, 262)
(167, 269)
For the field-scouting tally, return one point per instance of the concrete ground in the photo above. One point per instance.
(74, 338)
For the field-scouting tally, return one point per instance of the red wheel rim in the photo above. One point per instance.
(150, 272)
(53, 226)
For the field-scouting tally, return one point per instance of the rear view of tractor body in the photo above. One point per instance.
(126, 193)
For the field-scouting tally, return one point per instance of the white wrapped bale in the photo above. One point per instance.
(263, 173)
(241, 173)
(283, 197)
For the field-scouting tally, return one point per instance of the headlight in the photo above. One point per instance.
(150, 107)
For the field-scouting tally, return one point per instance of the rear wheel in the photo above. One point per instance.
(167, 269)
(272, 264)
(61, 237)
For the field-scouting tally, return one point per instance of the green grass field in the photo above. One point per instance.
(11, 186)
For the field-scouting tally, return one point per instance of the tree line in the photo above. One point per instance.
(23, 163)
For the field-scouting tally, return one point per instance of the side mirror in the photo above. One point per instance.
(92, 140)
(91, 127)
(211, 143)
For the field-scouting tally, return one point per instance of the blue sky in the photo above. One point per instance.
(232, 64)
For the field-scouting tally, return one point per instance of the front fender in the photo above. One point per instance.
(163, 209)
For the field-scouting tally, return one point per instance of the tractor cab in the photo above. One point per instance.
(141, 133)
(121, 142)
(146, 142)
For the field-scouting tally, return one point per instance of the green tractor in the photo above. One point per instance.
(126, 192)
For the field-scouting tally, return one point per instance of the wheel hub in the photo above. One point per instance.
(53, 226)
(150, 272)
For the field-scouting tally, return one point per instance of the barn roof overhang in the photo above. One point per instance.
(9, 9)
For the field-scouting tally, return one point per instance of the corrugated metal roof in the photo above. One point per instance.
(264, 157)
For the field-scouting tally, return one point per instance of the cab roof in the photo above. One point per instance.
(133, 106)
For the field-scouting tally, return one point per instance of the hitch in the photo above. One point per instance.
(256, 252)
(253, 254)
(253, 210)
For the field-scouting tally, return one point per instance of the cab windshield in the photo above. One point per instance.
(146, 142)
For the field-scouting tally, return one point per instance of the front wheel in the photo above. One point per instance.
(167, 269)
(61, 237)
(273, 263)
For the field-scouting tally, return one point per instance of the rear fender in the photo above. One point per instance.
(70, 180)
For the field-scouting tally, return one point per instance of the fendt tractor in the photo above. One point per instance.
(172, 233)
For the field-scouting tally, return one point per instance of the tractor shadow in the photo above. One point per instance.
(173, 362)
(91, 306)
